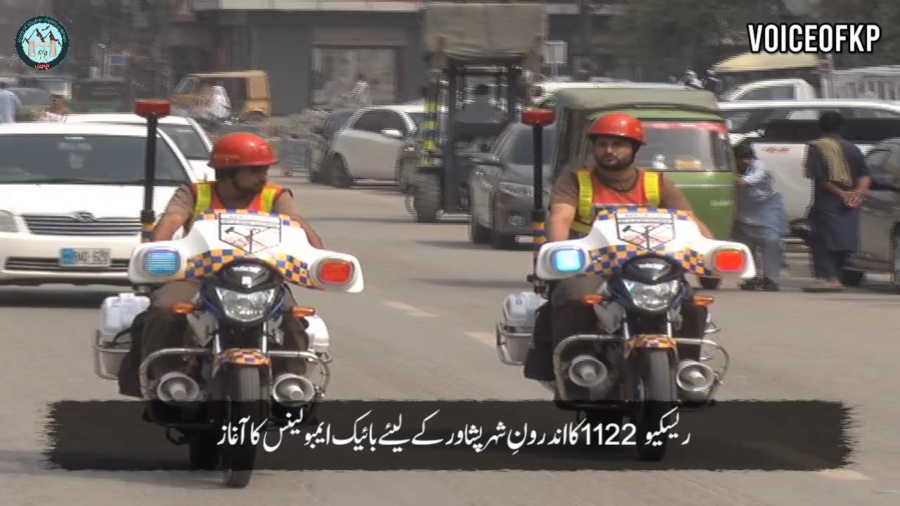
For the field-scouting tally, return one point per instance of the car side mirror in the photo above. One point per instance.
(393, 133)
(317, 130)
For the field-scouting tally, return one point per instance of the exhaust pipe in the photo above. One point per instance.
(177, 387)
(292, 390)
(694, 379)
(587, 371)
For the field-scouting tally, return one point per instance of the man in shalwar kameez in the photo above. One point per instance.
(840, 180)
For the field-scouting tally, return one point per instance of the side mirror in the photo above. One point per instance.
(393, 133)
(317, 130)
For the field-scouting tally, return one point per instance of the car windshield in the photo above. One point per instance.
(84, 159)
(337, 121)
(417, 117)
(522, 152)
(684, 146)
(188, 141)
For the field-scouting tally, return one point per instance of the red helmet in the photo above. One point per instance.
(618, 124)
(241, 149)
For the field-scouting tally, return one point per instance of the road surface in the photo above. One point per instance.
(423, 329)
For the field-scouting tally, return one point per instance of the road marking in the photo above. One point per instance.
(410, 310)
(844, 475)
(483, 338)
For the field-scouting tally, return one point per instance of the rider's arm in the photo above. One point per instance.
(673, 198)
(285, 204)
(563, 202)
(177, 213)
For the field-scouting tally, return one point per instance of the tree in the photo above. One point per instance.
(670, 36)
(887, 14)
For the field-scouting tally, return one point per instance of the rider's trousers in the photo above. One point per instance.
(572, 316)
(163, 329)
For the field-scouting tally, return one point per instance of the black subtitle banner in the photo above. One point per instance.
(467, 436)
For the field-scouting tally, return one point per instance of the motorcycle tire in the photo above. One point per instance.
(655, 369)
(243, 388)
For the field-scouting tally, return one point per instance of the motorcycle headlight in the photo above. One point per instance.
(246, 307)
(652, 297)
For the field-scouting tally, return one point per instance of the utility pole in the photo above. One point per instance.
(585, 13)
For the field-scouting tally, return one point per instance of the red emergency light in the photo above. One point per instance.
(538, 117)
(148, 108)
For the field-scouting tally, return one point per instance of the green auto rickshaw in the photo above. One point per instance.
(686, 139)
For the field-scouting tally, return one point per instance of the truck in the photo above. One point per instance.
(804, 77)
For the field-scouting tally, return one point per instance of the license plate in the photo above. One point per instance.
(84, 257)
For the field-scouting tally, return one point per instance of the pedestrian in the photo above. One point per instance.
(713, 83)
(57, 110)
(360, 93)
(761, 220)
(9, 104)
(840, 180)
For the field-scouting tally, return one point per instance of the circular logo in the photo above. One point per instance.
(42, 42)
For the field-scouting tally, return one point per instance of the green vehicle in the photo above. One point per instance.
(686, 139)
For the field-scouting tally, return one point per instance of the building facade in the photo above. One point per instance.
(315, 49)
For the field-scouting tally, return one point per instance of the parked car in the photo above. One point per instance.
(70, 200)
(187, 134)
(323, 141)
(369, 146)
(879, 245)
(501, 187)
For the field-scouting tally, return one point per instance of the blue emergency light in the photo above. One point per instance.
(162, 261)
(567, 260)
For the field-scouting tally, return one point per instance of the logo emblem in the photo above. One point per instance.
(83, 216)
(650, 231)
(251, 233)
(42, 42)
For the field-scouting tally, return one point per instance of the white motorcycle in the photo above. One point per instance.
(244, 262)
(633, 366)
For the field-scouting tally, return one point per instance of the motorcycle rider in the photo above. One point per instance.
(241, 161)
(614, 180)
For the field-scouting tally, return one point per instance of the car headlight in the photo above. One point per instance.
(8, 222)
(521, 190)
(652, 297)
(246, 307)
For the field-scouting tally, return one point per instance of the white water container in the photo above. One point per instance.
(117, 312)
(132, 305)
(318, 334)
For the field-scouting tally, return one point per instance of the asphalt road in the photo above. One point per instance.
(423, 329)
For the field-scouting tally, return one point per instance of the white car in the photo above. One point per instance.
(369, 145)
(71, 197)
(189, 136)
(746, 118)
